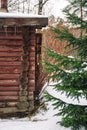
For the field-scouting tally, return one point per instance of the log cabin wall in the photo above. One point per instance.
(10, 67)
(17, 68)
(18, 61)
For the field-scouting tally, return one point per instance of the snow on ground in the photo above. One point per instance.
(44, 120)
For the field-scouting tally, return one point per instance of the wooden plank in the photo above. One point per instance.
(32, 48)
(9, 76)
(6, 98)
(31, 76)
(31, 88)
(31, 83)
(14, 93)
(8, 82)
(11, 88)
(10, 31)
(11, 43)
(9, 93)
(11, 104)
(12, 59)
(32, 63)
(11, 70)
(10, 63)
(32, 54)
(37, 22)
(14, 37)
(6, 54)
(32, 58)
(10, 49)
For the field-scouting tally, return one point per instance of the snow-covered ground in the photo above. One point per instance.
(44, 120)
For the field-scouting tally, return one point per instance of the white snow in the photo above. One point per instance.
(44, 120)
(82, 101)
(20, 15)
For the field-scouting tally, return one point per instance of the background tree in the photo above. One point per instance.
(28, 6)
(40, 5)
(70, 73)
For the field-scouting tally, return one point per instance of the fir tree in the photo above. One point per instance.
(72, 72)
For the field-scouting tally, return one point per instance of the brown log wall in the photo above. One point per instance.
(10, 66)
(18, 68)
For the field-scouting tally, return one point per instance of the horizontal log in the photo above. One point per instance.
(32, 64)
(34, 22)
(9, 110)
(32, 54)
(32, 48)
(31, 68)
(10, 49)
(9, 33)
(10, 63)
(11, 104)
(11, 43)
(14, 37)
(32, 58)
(11, 88)
(9, 82)
(11, 70)
(11, 54)
(32, 71)
(9, 76)
(31, 93)
(9, 93)
(12, 59)
(31, 83)
(11, 29)
(31, 76)
(8, 104)
(7, 98)
(31, 89)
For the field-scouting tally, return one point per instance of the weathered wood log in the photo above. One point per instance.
(10, 49)
(9, 93)
(9, 76)
(31, 83)
(11, 104)
(10, 63)
(15, 37)
(32, 54)
(8, 98)
(31, 76)
(32, 48)
(12, 43)
(6, 54)
(11, 59)
(9, 82)
(12, 69)
(9, 88)
(31, 88)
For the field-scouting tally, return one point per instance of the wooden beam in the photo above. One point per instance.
(38, 22)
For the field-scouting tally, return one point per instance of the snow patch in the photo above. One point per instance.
(20, 15)
(63, 97)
